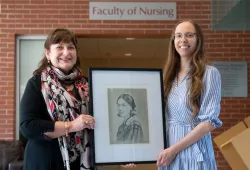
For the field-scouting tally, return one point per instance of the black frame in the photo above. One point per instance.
(93, 81)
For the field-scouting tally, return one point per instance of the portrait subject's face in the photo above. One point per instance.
(123, 108)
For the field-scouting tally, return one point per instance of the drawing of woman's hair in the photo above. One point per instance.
(130, 100)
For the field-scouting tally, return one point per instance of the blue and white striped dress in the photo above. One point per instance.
(200, 155)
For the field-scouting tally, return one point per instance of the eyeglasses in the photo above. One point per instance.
(188, 35)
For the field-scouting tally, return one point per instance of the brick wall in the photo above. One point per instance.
(39, 16)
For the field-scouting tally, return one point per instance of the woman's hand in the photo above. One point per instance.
(81, 122)
(131, 165)
(166, 157)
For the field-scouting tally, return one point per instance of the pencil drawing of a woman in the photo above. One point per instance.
(130, 131)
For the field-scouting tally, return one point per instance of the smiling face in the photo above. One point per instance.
(62, 56)
(124, 109)
(185, 40)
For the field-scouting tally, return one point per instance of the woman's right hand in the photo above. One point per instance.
(81, 122)
(166, 157)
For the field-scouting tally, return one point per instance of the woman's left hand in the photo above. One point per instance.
(166, 157)
(131, 165)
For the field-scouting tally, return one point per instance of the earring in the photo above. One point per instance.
(48, 62)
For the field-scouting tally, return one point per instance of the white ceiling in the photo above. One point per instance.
(101, 48)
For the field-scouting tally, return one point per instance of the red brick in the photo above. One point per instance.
(39, 16)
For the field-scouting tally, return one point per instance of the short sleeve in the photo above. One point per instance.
(210, 98)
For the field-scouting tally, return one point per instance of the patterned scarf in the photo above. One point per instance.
(63, 106)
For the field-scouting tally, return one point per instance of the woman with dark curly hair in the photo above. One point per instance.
(54, 109)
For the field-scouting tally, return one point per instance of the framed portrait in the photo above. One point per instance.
(128, 106)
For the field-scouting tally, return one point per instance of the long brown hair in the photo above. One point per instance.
(55, 36)
(172, 68)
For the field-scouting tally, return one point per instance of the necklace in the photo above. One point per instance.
(69, 88)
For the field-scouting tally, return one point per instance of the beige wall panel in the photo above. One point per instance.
(121, 63)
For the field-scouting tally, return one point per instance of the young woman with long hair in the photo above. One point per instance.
(192, 94)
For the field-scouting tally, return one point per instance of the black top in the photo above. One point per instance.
(41, 152)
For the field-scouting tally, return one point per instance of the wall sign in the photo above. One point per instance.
(234, 78)
(132, 10)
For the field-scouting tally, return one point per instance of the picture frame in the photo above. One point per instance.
(128, 107)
